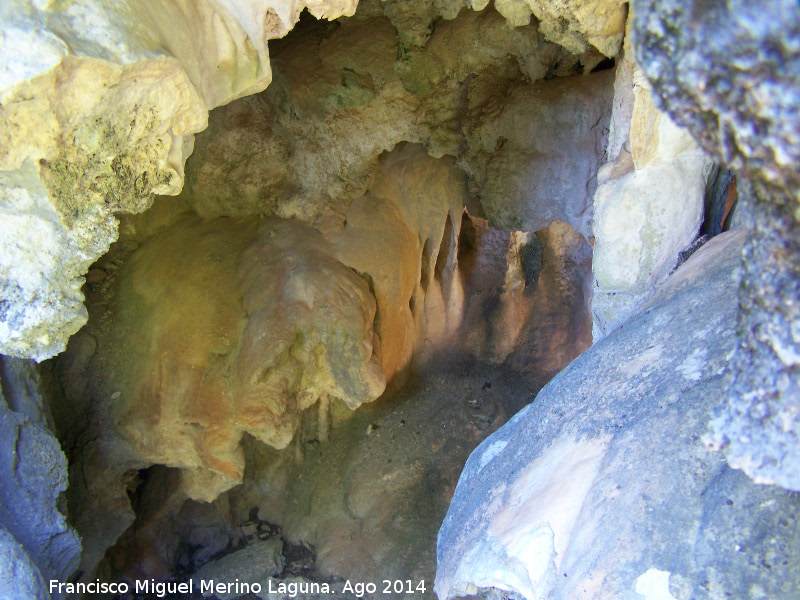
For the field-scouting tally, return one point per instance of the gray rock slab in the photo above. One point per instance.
(19, 577)
(603, 487)
(255, 563)
(33, 475)
(730, 73)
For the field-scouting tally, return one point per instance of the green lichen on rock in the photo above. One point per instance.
(106, 165)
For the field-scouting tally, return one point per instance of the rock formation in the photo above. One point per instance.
(36, 543)
(119, 90)
(695, 55)
(322, 260)
(649, 203)
(602, 486)
(100, 102)
(296, 318)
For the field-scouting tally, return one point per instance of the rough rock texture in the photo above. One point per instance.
(342, 94)
(577, 25)
(395, 235)
(296, 317)
(572, 23)
(283, 325)
(368, 489)
(255, 563)
(525, 296)
(758, 424)
(19, 577)
(602, 486)
(535, 152)
(98, 106)
(364, 280)
(649, 201)
(117, 91)
(730, 73)
(289, 321)
(34, 535)
(84, 140)
(371, 499)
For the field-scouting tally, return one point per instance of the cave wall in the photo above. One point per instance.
(344, 93)
(119, 89)
(100, 102)
(175, 373)
(37, 543)
(617, 496)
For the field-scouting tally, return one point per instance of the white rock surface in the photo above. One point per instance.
(572, 23)
(84, 140)
(99, 102)
(648, 206)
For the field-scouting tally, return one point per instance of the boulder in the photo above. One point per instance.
(648, 206)
(603, 488)
(33, 478)
(19, 577)
(255, 563)
(729, 72)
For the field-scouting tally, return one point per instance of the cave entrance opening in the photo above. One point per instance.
(372, 266)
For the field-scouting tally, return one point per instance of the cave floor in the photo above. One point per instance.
(367, 504)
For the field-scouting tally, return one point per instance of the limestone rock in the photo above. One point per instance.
(84, 140)
(642, 222)
(535, 155)
(184, 369)
(526, 297)
(394, 234)
(284, 324)
(414, 19)
(757, 425)
(341, 96)
(572, 23)
(33, 477)
(433, 282)
(222, 47)
(99, 105)
(751, 126)
(694, 53)
(289, 322)
(648, 206)
(22, 390)
(371, 499)
(309, 143)
(19, 577)
(255, 563)
(603, 486)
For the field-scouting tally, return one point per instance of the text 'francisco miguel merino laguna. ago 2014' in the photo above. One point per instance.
(209, 586)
